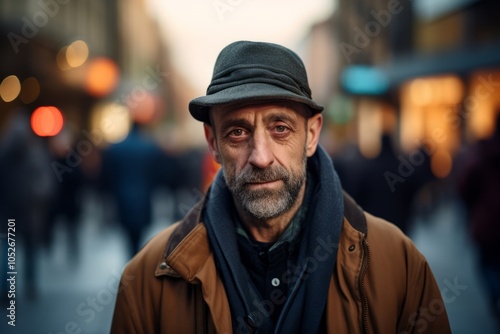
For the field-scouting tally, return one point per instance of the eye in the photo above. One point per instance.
(281, 128)
(237, 133)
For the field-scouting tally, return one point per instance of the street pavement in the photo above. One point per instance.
(444, 241)
(78, 295)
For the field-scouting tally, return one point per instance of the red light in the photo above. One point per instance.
(47, 121)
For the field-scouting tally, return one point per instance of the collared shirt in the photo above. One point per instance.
(270, 265)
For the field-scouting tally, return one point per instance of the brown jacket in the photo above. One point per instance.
(381, 283)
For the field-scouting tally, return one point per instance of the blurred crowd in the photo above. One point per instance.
(44, 181)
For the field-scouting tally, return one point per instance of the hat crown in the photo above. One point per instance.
(245, 55)
(255, 72)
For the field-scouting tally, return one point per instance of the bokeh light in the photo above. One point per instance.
(73, 55)
(30, 90)
(10, 88)
(47, 121)
(77, 53)
(421, 91)
(102, 77)
(112, 120)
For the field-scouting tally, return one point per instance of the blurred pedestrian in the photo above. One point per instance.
(67, 204)
(349, 166)
(479, 187)
(130, 172)
(187, 186)
(389, 196)
(26, 191)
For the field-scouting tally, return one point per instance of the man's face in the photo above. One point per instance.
(263, 151)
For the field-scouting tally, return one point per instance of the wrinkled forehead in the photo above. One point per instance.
(294, 109)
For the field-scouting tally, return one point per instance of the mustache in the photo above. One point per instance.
(253, 175)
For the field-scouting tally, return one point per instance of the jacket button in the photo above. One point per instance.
(163, 265)
(352, 248)
(275, 281)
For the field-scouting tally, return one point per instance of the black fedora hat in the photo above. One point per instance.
(255, 71)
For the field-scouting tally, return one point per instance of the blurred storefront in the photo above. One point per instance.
(433, 64)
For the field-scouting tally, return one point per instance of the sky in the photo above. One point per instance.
(196, 30)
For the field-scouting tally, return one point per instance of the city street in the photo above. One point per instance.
(106, 108)
(78, 297)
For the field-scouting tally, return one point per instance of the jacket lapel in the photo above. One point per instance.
(192, 259)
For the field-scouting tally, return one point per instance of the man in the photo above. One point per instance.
(275, 247)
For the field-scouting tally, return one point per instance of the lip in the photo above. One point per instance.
(262, 184)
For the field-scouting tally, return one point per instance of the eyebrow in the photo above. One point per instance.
(280, 116)
(225, 125)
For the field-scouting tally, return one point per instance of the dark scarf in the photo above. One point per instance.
(304, 308)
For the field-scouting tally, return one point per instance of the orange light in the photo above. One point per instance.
(102, 77)
(10, 88)
(47, 121)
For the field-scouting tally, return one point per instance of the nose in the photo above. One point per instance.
(261, 155)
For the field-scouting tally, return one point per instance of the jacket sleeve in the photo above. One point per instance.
(424, 310)
(124, 316)
(135, 307)
(402, 290)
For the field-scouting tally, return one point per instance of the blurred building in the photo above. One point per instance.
(434, 65)
(98, 62)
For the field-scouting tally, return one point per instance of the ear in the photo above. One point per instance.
(314, 124)
(212, 142)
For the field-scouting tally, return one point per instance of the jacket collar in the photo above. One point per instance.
(176, 242)
(179, 248)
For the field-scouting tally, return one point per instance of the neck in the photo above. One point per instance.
(269, 230)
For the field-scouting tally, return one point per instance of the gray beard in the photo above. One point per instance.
(265, 204)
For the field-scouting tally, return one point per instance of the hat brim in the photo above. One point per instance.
(252, 92)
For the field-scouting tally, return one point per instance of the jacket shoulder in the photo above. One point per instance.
(399, 269)
(383, 235)
(153, 251)
(162, 244)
